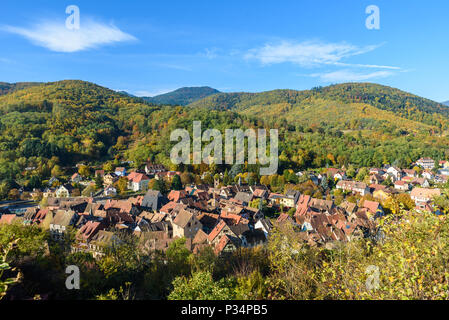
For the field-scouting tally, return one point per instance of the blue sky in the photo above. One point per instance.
(152, 47)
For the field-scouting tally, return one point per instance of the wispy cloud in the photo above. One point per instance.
(210, 53)
(348, 75)
(311, 54)
(174, 66)
(56, 37)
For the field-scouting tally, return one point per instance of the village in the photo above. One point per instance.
(225, 217)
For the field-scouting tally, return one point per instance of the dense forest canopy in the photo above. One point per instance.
(381, 97)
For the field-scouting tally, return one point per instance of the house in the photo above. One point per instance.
(226, 192)
(401, 185)
(408, 179)
(64, 191)
(423, 195)
(308, 206)
(76, 178)
(260, 193)
(395, 173)
(444, 164)
(176, 195)
(290, 199)
(85, 234)
(167, 175)
(185, 225)
(152, 169)
(110, 191)
(153, 200)
(49, 192)
(423, 182)
(373, 208)
(410, 173)
(374, 187)
(427, 174)
(375, 179)
(138, 182)
(285, 218)
(265, 225)
(60, 223)
(377, 171)
(275, 198)
(426, 163)
(353, 186)
(349, 207)
(88, 231)
(120, 171)
(424, 206)
(244, 197)
(440, 178)
(101, 241)
(122, 206)
(110, 179)
(336, 174)
(225, 245)
(29, 215)
(221, 230)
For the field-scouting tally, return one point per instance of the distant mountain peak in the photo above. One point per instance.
(182, 96)
(446, 103)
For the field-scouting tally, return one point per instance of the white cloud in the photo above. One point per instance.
(56, 37)
(348, 76)
(311, 54)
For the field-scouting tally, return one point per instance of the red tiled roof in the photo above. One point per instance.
(303, 205)
(371, 205)
(137, 177)
(221, 244)
(214, 233)
(176, 195)
(7, 218)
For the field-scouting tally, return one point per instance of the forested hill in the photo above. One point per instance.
(70, 120)
(282, 102)
(6, 88)
(182, 96)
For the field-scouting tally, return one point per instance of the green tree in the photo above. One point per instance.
(122, 185)
(200, 286)
(176, 183)
(84, 171)
(98, 182)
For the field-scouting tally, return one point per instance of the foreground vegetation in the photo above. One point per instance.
(409, 262)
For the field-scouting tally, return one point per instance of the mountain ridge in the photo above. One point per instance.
(182, 96)
(382, 97)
